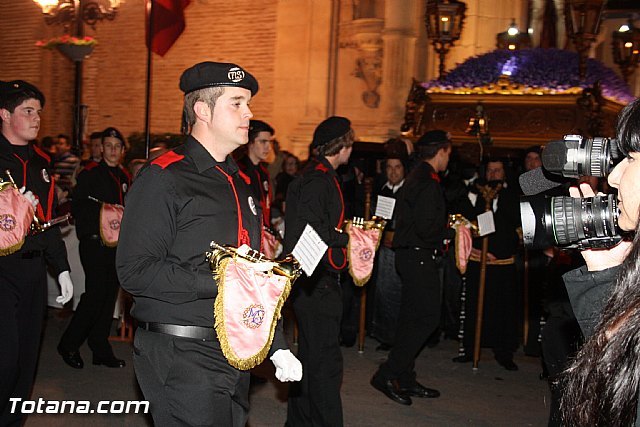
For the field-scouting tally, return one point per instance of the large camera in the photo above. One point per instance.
(570, 222)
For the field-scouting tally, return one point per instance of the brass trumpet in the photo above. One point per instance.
(36, 226)
(365, 224)
(288, 266)
(458, 219)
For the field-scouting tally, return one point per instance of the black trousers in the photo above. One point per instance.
(315, 401)
(23, 284)
(419, 313)
(94, 314)
(188, 382)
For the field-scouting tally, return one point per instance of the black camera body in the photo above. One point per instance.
(581, 223)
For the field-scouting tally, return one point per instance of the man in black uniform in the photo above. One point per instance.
(421, 227)
(179, 203)
(98, 183)
(23, 276)
(254, 166)
(315, 198)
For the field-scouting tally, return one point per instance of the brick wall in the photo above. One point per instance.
(242, 31)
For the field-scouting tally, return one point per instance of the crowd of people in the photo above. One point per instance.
(219, 185)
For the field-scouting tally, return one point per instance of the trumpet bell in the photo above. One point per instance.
(288, 266)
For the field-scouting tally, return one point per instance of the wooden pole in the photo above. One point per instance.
(368, 189)
(526, 296)
(488, 193)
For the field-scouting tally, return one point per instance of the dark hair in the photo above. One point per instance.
(257, 126)
(601, 385)
(335, 145)
(17, 94)
(628, 128)
(428, 152)
(95, 135)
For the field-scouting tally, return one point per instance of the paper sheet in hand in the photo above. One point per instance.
(385, 206)
(486, 224)
(309, 250)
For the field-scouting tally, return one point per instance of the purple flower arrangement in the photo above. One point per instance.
(553, 69)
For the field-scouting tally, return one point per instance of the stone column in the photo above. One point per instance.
(399, 40)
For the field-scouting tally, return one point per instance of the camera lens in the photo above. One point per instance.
(576, 156)
(589, 222)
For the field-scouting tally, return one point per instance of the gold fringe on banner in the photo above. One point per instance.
(231, 356)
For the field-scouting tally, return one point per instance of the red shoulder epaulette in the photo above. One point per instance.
(90, 165)
(322, 168)
(435, 176)
(245, 177)
(42, 153)
(167, 158)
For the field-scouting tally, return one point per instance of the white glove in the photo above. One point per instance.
(288, 368)
(66, 288)
(29, 196)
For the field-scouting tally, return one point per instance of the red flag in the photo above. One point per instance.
(168, 24)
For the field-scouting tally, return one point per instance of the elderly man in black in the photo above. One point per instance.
(421, 227)
(315, 198)
(179, 203)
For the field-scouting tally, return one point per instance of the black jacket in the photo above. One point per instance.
(421, 220)
(315, 198)
(177, 205)
(103, 183)
(31, 170)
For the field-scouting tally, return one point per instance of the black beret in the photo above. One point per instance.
(433, 137)
(330, 129)
(19, 89)
(257, 126)
(212, 74)
(112, 132)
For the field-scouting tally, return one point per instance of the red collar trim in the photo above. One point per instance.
(42, 153)
(244, 177)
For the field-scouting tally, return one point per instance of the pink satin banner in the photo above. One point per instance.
(247, 309)
(362, 253)
(110, 219)
(464, 245)
(16, 215)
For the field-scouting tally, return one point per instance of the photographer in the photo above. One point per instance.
(602, 383)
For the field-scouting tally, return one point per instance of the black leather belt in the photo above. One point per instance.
(195, 332)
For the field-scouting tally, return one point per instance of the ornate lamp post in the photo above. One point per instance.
(72, 15)
(582, 20)
(626, 49)
(513, 38)
(444, 20)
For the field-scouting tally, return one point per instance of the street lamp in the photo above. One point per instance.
(582, 21)
(513, 38)
(73, 14)
(626, 49)
(444, 20)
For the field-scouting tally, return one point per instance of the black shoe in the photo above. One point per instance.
(390, 389)
(463, 359)
(418, 390)
(71, 358)
(111, 362)
(508, 365)
(383, 347)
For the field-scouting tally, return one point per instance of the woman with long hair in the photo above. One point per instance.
(601, 385)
